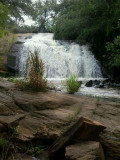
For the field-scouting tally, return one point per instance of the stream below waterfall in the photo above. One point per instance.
(63, 58)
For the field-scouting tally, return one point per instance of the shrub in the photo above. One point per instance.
(72, 84)
(35, 73)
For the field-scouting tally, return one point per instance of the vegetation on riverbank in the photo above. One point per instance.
(34, 77)
(6, 41)
(72, 84)
(95, 23)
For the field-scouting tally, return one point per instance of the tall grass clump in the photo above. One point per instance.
(72, 84)
(35, 73)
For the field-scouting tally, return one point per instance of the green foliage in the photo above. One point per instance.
(44, 14)
(3, 143)
(113, 56)
(72, 84)
(6, 142)
(3, 17)
(18, 8)
(25, 29)
(3, 33)
(36, 150)
(93, 22)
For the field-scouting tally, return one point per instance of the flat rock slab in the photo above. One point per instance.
(7, 105)
(11, 120)
(85, 151)
(32, 101)
(6, 85)
(31, 127)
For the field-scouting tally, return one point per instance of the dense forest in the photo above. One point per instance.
(92, 22)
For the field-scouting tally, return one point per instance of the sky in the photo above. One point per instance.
(28, 21)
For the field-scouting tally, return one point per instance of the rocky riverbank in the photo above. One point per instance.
(35, 123)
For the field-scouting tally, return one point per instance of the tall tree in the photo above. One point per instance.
(18, 8)
(89, 21)
(45, 12)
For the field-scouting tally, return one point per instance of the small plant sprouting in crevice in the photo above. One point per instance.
(36, 150)
(98, 101)
(72, 84)
(94, 111)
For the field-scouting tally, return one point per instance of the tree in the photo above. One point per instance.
(18, 8)
(3, 16)
(113, 56)
(45, 12)
(91, 22)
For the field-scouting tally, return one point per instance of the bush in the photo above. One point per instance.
(34, 76)
(72, 84)
(35, 73)
(113, 57)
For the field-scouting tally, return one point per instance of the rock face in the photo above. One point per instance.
(45, 117)
(89, 150)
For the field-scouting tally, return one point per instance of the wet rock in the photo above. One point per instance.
(28, 37)
(85, 151)
(89, 83)
(20, 42)
(96, 82)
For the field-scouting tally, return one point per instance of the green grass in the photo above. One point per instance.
(72, 84)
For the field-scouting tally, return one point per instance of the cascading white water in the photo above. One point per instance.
(61, 59)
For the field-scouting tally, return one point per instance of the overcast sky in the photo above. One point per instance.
(28, 21)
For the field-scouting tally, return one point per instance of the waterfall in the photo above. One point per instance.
(61, 59)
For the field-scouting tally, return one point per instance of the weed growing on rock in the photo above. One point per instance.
(94, 111)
